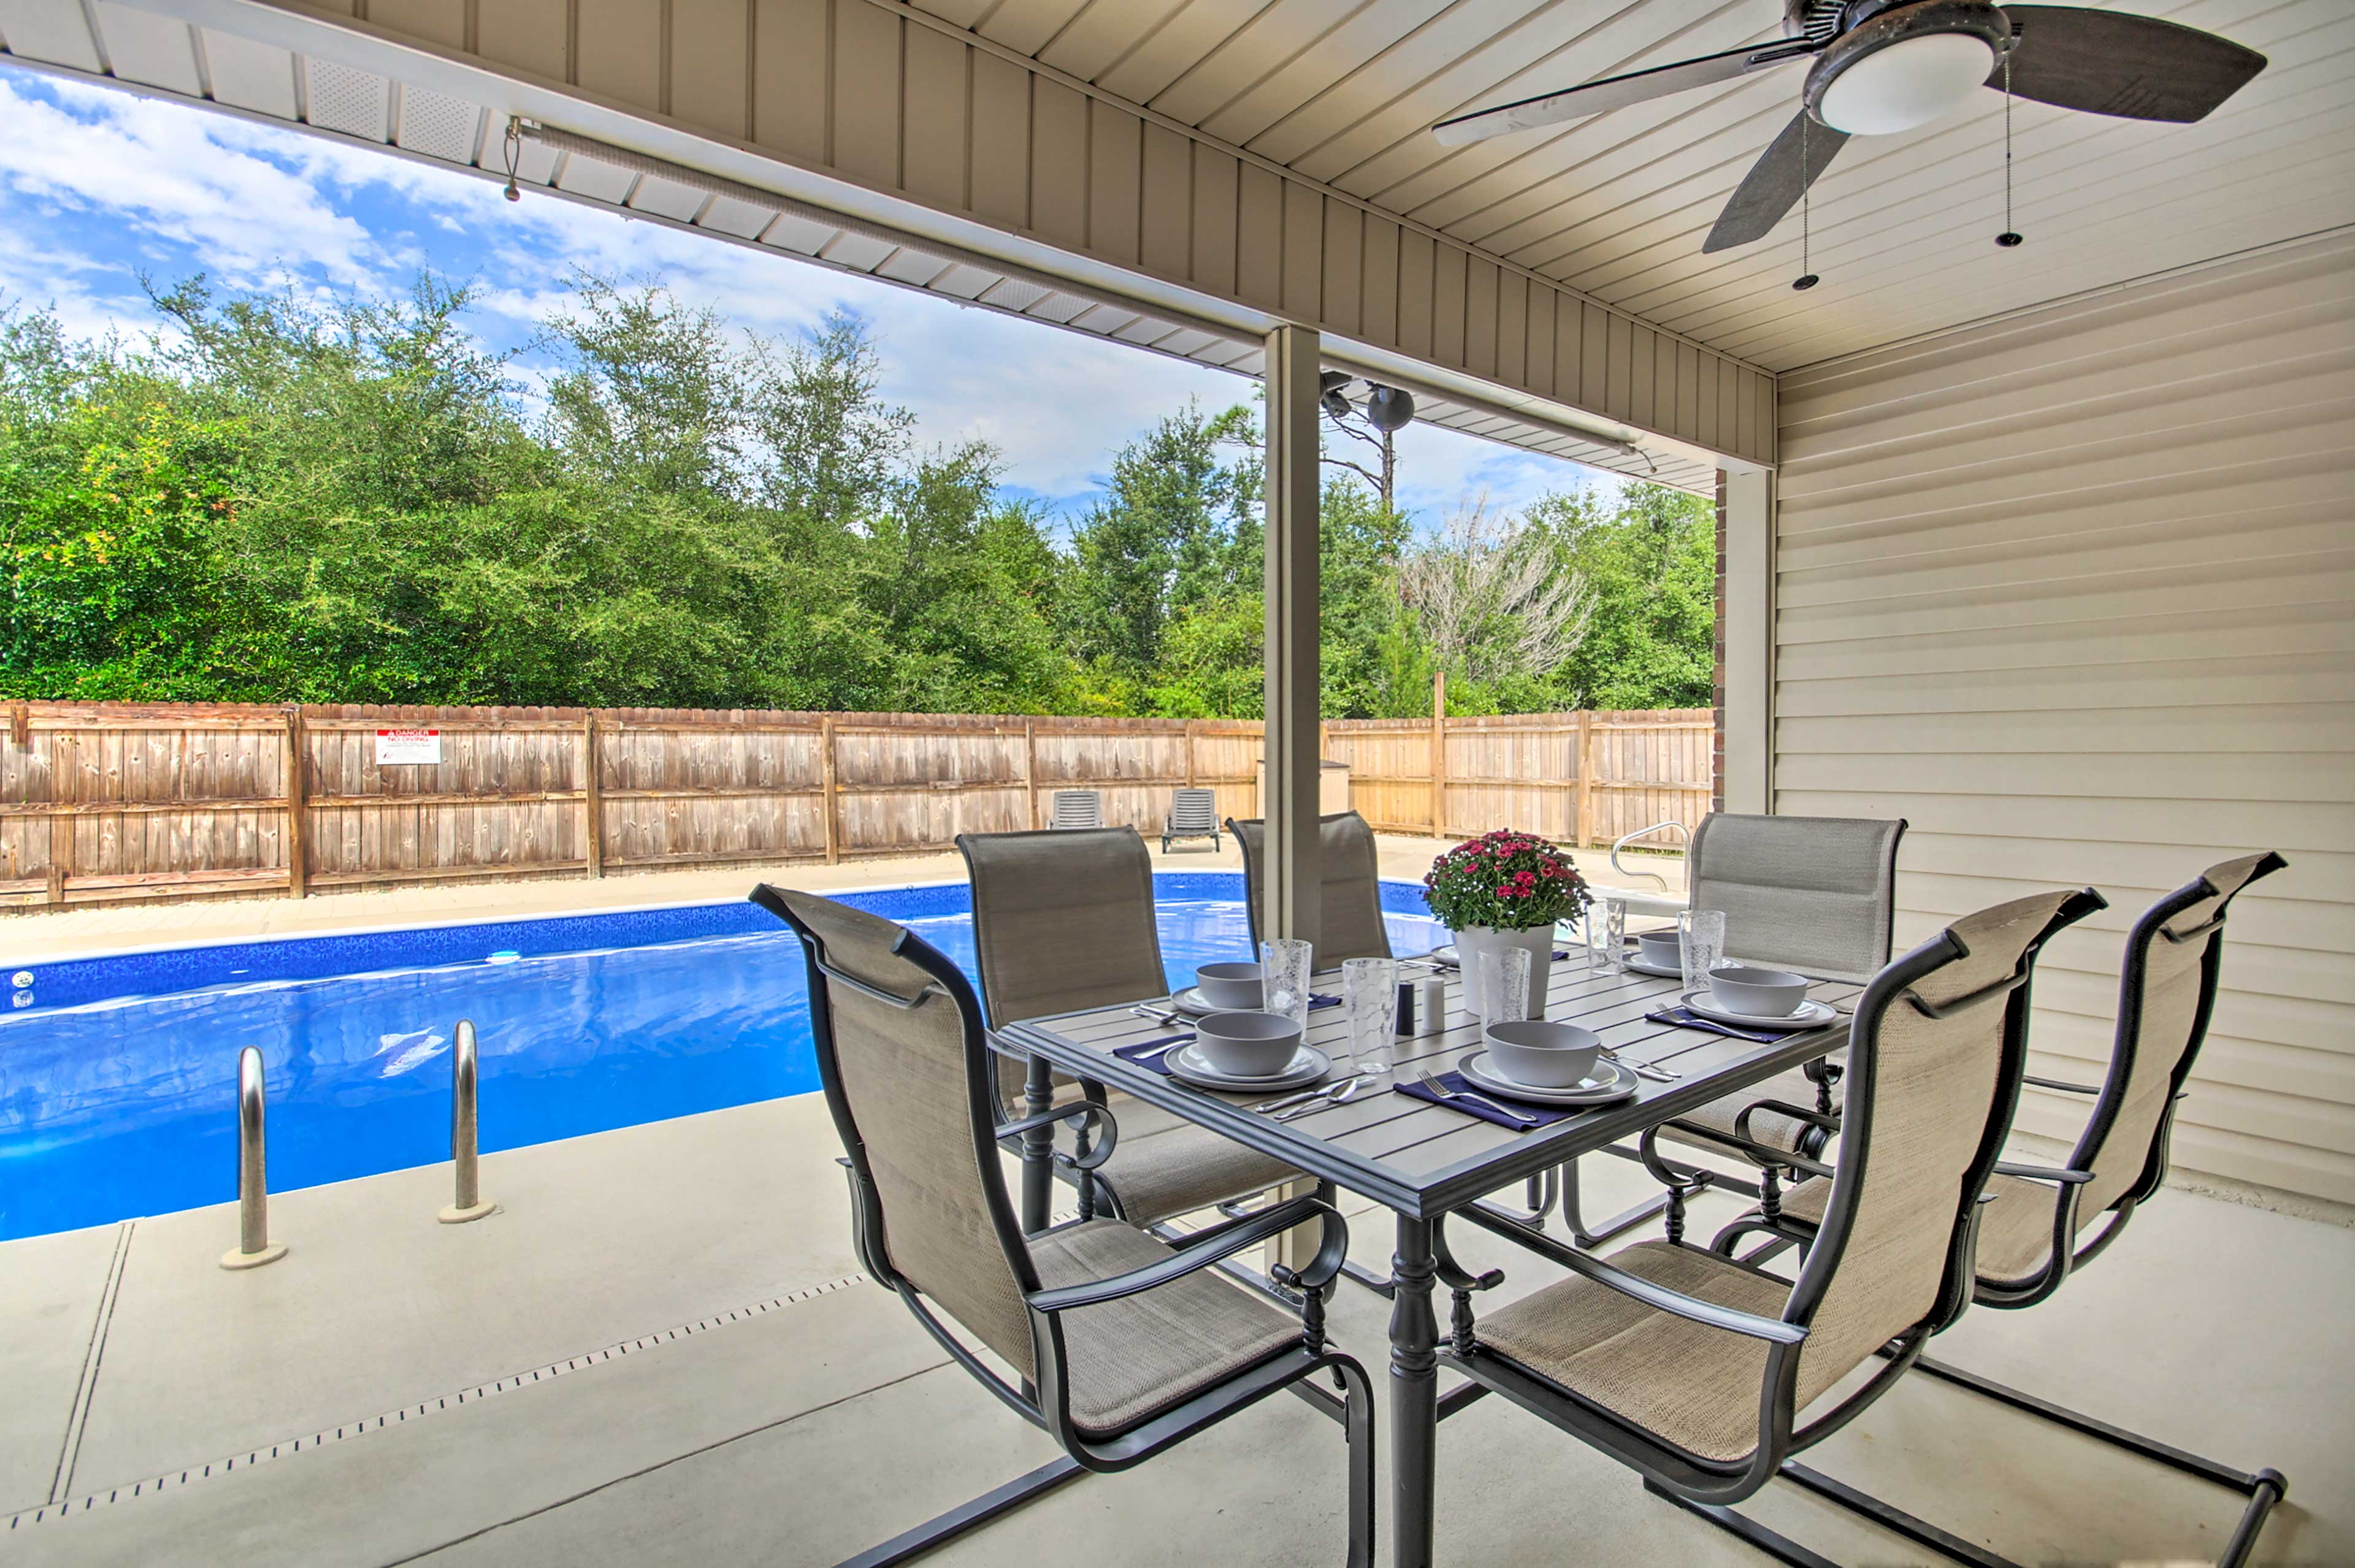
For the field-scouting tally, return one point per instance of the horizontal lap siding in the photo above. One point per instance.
(2074, 593)
(904, 104)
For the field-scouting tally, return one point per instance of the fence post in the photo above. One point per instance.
(1030, 766)
(1585, 777)
(298, 835)
(592, 803)
(1189, 754)
(1439, 754)
(65, 786)
(825, 779)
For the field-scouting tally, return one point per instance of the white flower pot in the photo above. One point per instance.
(1475, 940)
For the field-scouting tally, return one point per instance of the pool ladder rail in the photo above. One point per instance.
(255, 1247)
(468, 1202)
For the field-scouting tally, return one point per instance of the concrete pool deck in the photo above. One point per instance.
(659, 1351)
(42, 936)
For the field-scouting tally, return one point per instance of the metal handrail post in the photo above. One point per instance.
(254, 1246)
(464, 1125)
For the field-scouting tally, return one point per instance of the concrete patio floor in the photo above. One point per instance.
(658, 1351)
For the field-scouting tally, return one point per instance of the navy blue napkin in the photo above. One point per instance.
(1159, 1061)
(1542, 1115)
(1685, 1018)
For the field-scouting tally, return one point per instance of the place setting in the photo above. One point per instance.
(1250, 1024)
(1527, 1071)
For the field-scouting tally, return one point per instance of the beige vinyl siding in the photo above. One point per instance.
(900, 101)
(2074, 592)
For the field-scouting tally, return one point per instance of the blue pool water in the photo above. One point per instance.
(117, 1075)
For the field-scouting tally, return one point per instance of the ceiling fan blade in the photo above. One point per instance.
(1616, 91)
(2110, 62)
(1774, 184)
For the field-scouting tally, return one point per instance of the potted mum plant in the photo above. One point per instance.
(1505, 890)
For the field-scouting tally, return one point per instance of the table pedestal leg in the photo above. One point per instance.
(1037, 1145)
(1414, 1395)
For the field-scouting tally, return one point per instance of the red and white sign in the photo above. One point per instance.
(395, 746)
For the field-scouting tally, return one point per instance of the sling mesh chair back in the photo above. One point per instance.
(1810, 894)
(1193, 814)
(1693, 1368)
(1117, 1344)
(1350, 925)
(1063, 922)
(2174, 955)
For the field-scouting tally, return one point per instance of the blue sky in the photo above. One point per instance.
(97, 186)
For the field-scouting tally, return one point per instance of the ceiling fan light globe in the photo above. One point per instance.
(1906, 83)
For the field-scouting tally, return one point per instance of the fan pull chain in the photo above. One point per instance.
(2008, 238)
(1805, 280)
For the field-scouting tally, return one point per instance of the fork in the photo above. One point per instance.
(1445, 1092)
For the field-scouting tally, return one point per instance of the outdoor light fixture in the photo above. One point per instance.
(1907, 67)
(1388, 408)
(1328, 392)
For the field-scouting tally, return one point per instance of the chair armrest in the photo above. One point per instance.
(1082, 1108)
(1692, 1310)
(2043, 1173)
(1781, 1108)
(1199, 1253)
(2057, 1084)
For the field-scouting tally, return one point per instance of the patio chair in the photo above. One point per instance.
(1694, 1370)
(1811, 894)
(1115, 1344)
(1193, 814)
(2034, 1234)
(1350, 924)
(1063, 921)
(1075, 810)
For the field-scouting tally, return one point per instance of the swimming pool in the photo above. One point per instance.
(117, 1074)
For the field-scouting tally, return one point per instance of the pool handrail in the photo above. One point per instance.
(467, 1203)
(255, 1247)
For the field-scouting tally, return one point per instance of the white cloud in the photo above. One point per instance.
(253, 206)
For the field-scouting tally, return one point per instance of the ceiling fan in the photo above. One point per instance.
(1884, 66)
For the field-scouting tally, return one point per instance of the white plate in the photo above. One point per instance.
(1186, 1065)
(1189, 1002)
(1811, 1014)
(1657, 971)
(1613, 1080)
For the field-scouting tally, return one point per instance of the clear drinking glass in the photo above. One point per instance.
(1369, 992)
(1504, 986)
(1701, 933)
(1284, 971)
(1606, 924)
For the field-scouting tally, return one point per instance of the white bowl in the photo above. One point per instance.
(1543, 1055)
(1234, 986)
(1247, 1044)
(1661, 949)
(1759, 993)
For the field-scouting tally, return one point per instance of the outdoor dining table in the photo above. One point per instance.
(1424, 1161)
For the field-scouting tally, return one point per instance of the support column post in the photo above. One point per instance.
(1292, 872)
(1748, 640)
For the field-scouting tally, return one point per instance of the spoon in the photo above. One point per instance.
(1341, 1095)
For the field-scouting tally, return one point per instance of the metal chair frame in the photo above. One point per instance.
(1705, 1487)
(1046, 1402)
(2263, 1488)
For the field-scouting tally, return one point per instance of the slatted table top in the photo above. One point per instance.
(1424, 1160)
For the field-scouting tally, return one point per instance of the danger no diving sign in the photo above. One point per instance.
(408, 746)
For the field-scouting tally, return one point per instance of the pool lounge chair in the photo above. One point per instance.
(1193, 814)
(1076, 809)
(1117, 1344)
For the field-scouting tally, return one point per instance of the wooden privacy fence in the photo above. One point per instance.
(106, 803)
